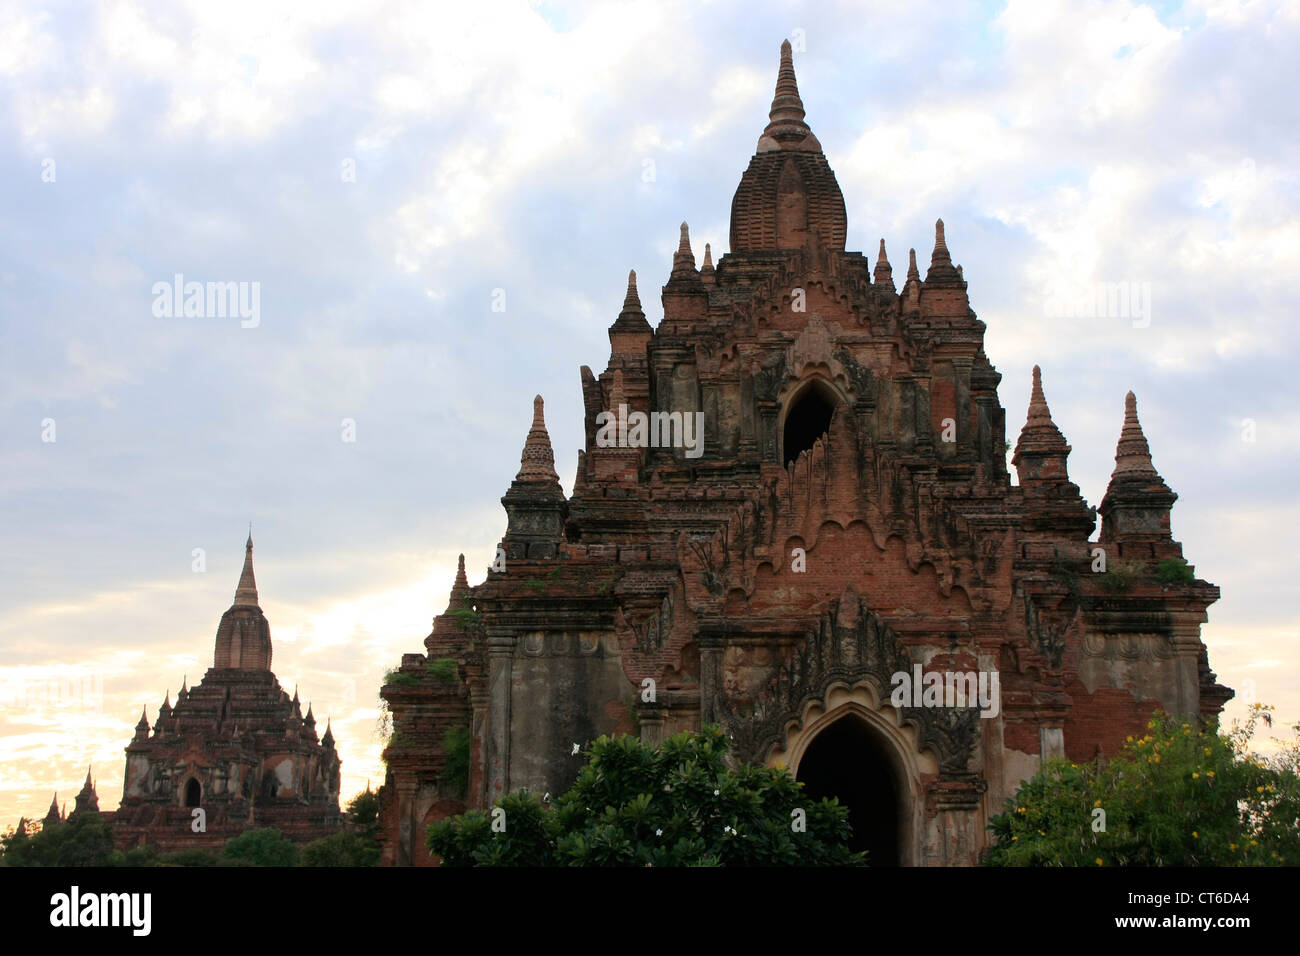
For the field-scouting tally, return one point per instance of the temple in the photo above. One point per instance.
(850, 518)
(235, 747)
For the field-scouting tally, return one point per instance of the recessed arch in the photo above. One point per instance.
(846, 760)
(193, 793)
(806, 416)
(908, 764)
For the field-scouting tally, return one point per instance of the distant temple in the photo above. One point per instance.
(848, 519)
(235, 747)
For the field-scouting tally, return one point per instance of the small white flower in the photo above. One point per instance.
(716, 792)
(659, 833)
(576, 748)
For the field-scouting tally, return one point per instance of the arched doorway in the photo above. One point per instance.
(193, 793)
(848, 761)
(808, 419)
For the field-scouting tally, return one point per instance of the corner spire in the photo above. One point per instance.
(1135, 509)
(632, 301)
(941, 267)
(786, 126)
(246, 591)
(684, 258)
(708, 259)
(537, 463)
(1132, 454)
(884, 274)
(913, 274)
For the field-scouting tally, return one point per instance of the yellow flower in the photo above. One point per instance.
(1096, 803)
(1014, 839)
(1041, 833)
(1254, 843)
(1099, 863)
(1207, 751)
(1020, 810)
(1210, 773)
(1156, 758)
(1232, 846)
(1130, 738)
(1196, 776)
(1195, 835)
(1259, 789)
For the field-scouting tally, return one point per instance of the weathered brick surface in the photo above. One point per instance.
(916, 548)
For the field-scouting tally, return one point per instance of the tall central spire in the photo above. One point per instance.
(788, 197)
(246, 592)
(786, 124)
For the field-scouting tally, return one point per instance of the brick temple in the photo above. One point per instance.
(849, 517)
(235, 745)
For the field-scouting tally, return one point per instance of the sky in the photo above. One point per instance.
(438, 205)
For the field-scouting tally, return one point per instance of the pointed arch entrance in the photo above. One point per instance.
(848, 761)
(807, 418)
(193, 793)
(847, 746)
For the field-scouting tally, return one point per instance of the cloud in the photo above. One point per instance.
(505, 146)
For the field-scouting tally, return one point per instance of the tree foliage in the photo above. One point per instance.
(674, 805)
(266, 847)
(340, 849)
(1181, 795)
(84, 840)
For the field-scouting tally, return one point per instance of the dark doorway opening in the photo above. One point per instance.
(809, 419)
(848, 761)
(192, 793)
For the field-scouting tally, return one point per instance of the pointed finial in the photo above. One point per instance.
(1132, 454)
(89, 781)
(537, 463)
(462, 582)
(708, 259)
(1038, 411)
(941, 269)
(786, 117)
(884, 274)
(684, 260)
(309, 719)
(295, 694)
(631, 301)
(246, 591)
(912, 271)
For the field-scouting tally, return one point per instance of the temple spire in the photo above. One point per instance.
(246, 592)
(1132, 454)
(707, 272)
(884, 274)
(786, 117)
(912, 272)
(537, 463)
(632, 301)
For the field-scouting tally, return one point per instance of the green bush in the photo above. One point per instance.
(84, 840)
(268, 847)
(1175, 571)
(444, 669)
(456, 771)
(1178, 796)
(673, 805)
(340, 849)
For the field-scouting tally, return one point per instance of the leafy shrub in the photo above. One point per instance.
(456, 771)
(266, 847)
(673, 805)
(1179, 796)
(1175, 571)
